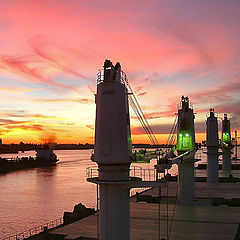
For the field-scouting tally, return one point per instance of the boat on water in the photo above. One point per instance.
(45, 157)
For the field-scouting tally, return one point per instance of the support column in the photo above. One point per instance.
(114, 201)
(212, 165)
(111, 152)
(114, 212)
(185, 144)
(186, 182)
(226, 162)
(226, 146)
(212, 144)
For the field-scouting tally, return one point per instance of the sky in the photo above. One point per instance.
(51, 50)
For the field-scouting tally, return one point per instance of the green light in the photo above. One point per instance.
(226, 137)
(185, 141)
(141, 156)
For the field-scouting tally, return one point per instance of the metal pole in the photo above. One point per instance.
(167, 206)
(97, 215)
(159, 214)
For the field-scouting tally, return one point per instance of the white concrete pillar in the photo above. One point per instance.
(114, 212)
(212, 165)
(226, 162)
(185, 143)
(186, 182)
(111, 152)
(212, 144)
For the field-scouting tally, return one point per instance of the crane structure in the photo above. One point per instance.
(226, 146)
(185, 143)
(212, 144)
(183, 129)
(112, 152)
(142, 155)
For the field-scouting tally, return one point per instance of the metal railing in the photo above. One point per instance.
(100, 76)
(198, 154)
(92, 172)
(135, 171)
(36, 230)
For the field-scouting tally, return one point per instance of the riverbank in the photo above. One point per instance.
(22, 147)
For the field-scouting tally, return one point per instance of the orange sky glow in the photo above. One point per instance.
(51, 51)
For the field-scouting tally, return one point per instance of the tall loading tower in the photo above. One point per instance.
(212, 144)
(226, 146)
(111, 152)
(185, 143)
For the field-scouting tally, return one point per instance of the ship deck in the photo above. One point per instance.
(201, 220)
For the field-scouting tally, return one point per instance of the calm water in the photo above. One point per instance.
(32, 197)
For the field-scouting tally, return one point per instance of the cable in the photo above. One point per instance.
(173, 131)
(174, 208)
(134, 107)
(167, 203)
(159, 214)
(138, 111)
(97, 214)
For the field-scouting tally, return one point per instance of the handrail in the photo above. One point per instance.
(135, 171)
(100, 77)
(35, 230)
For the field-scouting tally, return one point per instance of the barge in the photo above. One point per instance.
(44, 158)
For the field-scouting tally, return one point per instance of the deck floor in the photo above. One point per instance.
(199, 221)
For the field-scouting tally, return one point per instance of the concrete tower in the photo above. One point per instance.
(111, 152)
(212, 148)
(226, 146)
(185, 143)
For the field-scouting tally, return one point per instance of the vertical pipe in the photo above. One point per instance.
(212, 144)
(212, 165)
(97, 212)
(227, 146)
(112, 154)
(186, 182)
(185, 143)
(226, 163)
(114, 212)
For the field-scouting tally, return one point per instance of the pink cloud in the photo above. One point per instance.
(90, 127)
(23, 66)
(55, 56)
(61, 100)
(217, 93)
